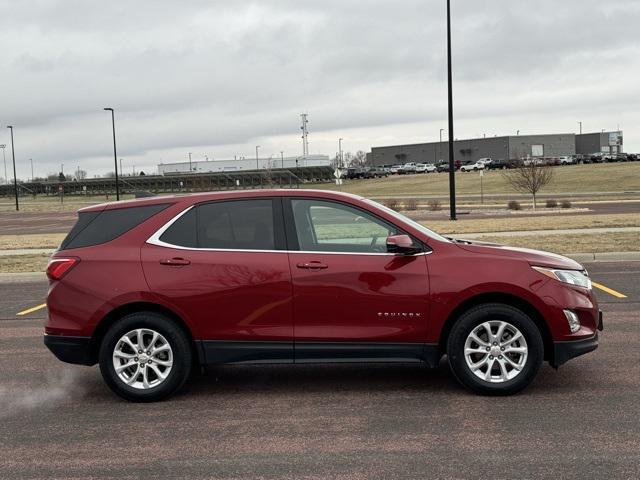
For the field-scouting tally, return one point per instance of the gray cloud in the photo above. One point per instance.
(218, 77)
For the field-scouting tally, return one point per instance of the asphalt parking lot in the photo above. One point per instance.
(327, 421)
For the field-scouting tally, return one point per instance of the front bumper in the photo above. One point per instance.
(565, 351)
(70, 349)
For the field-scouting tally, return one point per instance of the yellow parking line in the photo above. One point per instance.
(32, 309)
(609, 290)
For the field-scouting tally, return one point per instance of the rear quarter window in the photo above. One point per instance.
(94, 228)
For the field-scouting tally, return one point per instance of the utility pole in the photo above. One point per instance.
(282, 158)
(15, 178)
(121, 171)
(580, 127)
(4, 159)
(189, 161)
(31, 160)
(340, 153)
(452, 179)
(257, 163)
(305, 135)
(115, 153)
(440, 146)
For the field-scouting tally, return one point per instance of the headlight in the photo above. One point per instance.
(572, 277)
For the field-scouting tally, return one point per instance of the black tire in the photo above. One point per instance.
(175, 336)
(473, 318)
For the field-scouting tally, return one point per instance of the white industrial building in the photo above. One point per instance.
(243, 164)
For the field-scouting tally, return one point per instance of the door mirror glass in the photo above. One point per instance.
(402, 245)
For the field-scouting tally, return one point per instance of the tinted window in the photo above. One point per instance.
(182, 232)
(333, 227)
(107, 225)
(243, 224)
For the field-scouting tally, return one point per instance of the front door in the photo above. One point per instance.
(352, 299)
(223, 266)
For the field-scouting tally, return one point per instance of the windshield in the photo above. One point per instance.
(413, 223)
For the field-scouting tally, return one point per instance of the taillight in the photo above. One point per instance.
(59, 267)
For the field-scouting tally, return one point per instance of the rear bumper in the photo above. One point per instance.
(565, 351)
(70, 349)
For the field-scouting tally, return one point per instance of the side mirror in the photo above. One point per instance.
(402, 245)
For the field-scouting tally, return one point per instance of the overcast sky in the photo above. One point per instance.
(217, 78)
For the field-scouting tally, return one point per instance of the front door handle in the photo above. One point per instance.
(176, 261)
(312, 266)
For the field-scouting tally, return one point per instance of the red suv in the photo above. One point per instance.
(152, 288)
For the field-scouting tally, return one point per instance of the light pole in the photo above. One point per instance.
(31, 160)
(282, 158)
(189, 162)
(340, 152)
(257, 163)
(580, 127)
(115, 153)
(452, 180)
(4, 159)
(440, 146)
(15, 178)
(121, 171)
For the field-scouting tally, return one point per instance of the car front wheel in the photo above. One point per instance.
(495, 349)
(145, 357)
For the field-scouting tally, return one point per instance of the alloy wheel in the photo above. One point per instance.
(495, 351)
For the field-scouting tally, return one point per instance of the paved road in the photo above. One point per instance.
(317, 422)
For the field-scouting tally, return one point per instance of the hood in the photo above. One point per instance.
(534, 257)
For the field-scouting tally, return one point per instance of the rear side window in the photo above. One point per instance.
(227, 225)
(94, 228)
(244, 224)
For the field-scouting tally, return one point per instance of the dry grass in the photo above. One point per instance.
(617, 177)
(53, 204)
(552, 222)
(23, 263)
(573, 243)
(39, 240)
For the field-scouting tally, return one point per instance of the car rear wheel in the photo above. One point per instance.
(145, 357)
(495, 349)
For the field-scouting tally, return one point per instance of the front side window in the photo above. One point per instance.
(323, 226)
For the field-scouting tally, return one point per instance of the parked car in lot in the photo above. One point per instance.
(442, 167)
(354, 173)
(485, 161)
(472, 167)
(394, 169)
(374, 172)
(151, 288)
(425, 168)
(407, 168)
(500, 164)
(566, 160)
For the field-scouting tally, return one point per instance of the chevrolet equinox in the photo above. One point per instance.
(150, 289)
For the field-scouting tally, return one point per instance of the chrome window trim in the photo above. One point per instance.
(155, 240)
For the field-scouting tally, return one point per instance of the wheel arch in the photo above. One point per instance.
(506, 299)
(135, 307)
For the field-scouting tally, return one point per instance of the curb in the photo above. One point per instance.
(606, 257)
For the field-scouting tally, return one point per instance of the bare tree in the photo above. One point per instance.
(529, 177)
(359, 159)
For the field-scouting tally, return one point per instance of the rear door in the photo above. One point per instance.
(352, 299)
(224, 266)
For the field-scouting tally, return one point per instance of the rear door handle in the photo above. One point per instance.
(176, 261)
(312, 266)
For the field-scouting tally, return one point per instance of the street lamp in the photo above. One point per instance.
(282, 158)
(31, 160)
(440, 146)
(340, 152)
(452, 180)
(257, 163)
(580, 127)
(115, 154)
(189, 162)
(15, 178)
(4, 159)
